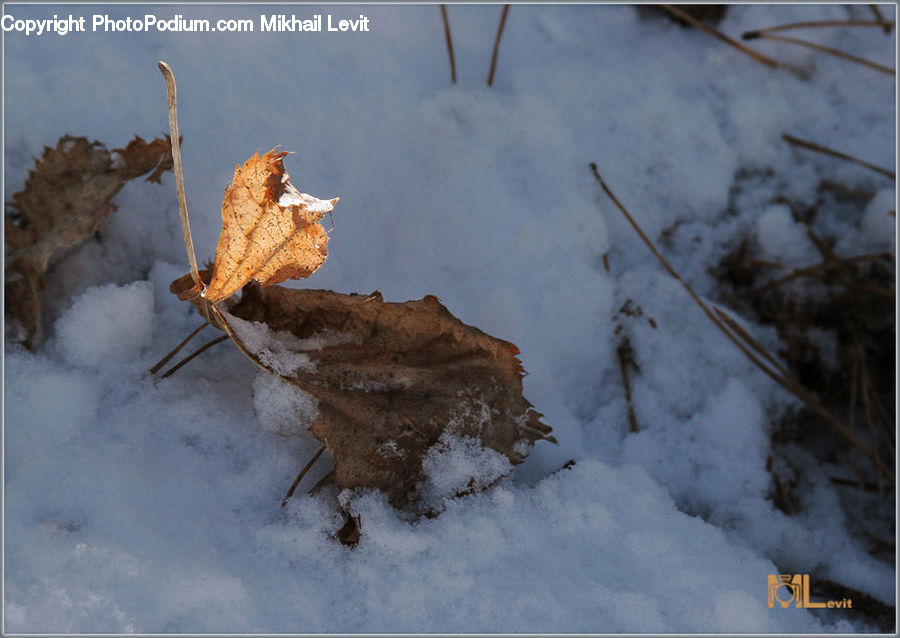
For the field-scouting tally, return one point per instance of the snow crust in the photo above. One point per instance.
(135, 505)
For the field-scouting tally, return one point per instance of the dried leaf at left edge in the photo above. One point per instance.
(66, 199)
(389, 378)
(270, 230)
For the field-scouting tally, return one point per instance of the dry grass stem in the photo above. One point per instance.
(879, 17)
(171, 96)
(176, 349)
(756, 55)
(449, 43)
(755, 33)
(625, 354)
(814, 270)
(822, 49)
(752, 342)
(306, 468)
(206, 346)
(845, 190)
(812, 146)
(503, 15)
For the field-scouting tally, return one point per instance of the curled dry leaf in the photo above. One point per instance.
(389, 378)
(270, 230)
(66, 199)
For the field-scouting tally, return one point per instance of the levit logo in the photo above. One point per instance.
(787, 589)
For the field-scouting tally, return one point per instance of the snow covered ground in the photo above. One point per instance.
(133, 504)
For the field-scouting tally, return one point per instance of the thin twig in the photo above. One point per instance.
(811, 270)
(812, 146)
(625, 353)
(756, 55)
(490, 80)
(750, 35)
(300, 476)
(880, 18)
(757, 261)
(872, 488)
(878, 411)
(177, 348)
(749, 339)
(845, 190)
(206, 346)
(449, 43)
(822, 49)
(787, 383)
(179, 174)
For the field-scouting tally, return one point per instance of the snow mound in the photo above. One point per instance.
(106, 324)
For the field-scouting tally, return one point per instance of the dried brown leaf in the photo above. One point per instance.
(141, 156)
(66, 199)
(350, 531)
(270, 230)
(389, 378)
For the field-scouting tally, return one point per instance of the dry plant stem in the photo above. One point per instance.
(694, 22)
(854, 397)
(206, 346)
(786, 382)
(624, 353)
(812, 146)
(880, 18)
(748, 338)
(756, 261)
(749, 35)
(872, 488)
(176, 349)
(845, 190)
(306, 468)
(490, 80)
(828, 50)
(812, 270)
(179, 174)
(870, 395)
(449, 43)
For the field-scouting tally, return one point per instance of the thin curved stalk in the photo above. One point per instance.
(179, 174)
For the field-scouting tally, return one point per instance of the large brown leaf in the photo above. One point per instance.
(270, 230)
(390, 378)
(66, 199)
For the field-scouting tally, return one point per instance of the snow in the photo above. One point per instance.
(142, 505)
(281, 406)
(878, 224)
(278, 351)
(780, 238)
(106, 325)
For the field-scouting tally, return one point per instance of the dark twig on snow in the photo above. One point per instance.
(625, 353)
(812, 146)
(821, 48)
(756, 55)
(176, 349)
(755, 33)
(449, 43)
(206, 346)
(300, 476)
(816, 269)
(880, 18)
(490, 79)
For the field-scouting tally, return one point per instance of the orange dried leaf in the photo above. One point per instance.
(270, 230)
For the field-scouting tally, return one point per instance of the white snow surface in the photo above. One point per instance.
(141, 505)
